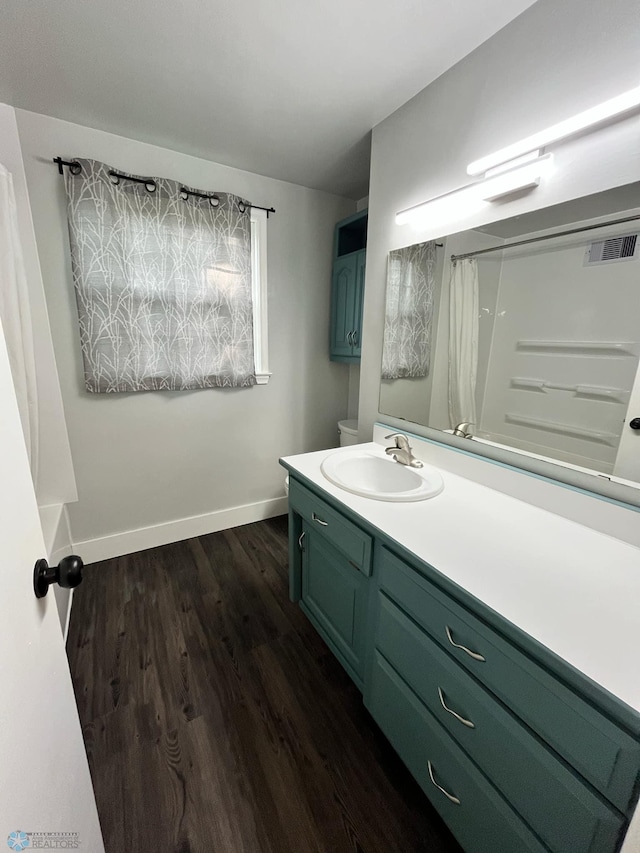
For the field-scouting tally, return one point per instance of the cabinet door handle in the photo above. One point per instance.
(301, 540)
(464, 722)
(474, 655)
(350, 339)
(319, 520)
(446, 793)
(354, 337)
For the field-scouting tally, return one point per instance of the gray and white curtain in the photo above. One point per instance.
(162, 281)
(406, 350)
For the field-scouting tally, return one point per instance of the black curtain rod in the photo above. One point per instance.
(75, 168)
(544, 237)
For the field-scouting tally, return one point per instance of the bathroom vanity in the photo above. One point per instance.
(495, 645)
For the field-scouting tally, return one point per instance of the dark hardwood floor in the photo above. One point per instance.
(217, 721)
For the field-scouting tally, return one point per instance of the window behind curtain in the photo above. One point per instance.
(163, 284)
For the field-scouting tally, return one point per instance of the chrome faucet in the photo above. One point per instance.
(401, 451)
(463, 430)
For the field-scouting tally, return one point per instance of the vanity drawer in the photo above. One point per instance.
(600, 751)
(481, 820)
(354, 543)
(563, 811)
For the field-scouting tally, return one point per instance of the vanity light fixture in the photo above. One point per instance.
(504, 181)
(623, 103)
(524, 174)
(516, 167)
(452, 205)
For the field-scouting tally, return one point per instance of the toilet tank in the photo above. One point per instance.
(348, 432)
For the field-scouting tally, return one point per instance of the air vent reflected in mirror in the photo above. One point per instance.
(613, 249)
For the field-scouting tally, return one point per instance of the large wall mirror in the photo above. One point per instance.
(528, 329)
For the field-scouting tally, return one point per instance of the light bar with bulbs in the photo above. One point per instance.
(623, 103)
(474, 197)
(517, 167)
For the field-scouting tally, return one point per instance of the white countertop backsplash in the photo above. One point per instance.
(574, 589)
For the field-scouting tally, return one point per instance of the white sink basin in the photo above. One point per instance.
(380, 477)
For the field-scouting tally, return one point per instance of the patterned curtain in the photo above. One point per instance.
(409, 308)
(162, 281)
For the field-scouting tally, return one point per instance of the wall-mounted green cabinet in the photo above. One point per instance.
(347, 288)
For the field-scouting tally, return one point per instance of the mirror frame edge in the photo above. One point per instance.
(628, 497)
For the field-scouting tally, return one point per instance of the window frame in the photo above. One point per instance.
(259, 295)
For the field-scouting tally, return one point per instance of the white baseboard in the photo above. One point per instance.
(128, 541)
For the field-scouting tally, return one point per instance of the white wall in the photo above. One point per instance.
(148, 460)
(55, 480)
(554, 60)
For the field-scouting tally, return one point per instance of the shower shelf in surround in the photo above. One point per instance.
(591, 392)
(607, 438)
(611, 349)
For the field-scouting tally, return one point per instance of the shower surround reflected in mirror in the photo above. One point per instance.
(558, 337)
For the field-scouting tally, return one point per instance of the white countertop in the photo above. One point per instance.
(575, 590)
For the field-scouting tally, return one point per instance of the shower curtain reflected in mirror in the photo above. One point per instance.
(463, 341)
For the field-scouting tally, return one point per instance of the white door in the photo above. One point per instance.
(45, 786)
(627, 463)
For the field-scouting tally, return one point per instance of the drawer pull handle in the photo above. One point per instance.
(446, 793)
(319, 520)
(301, 540)
(464, 722)
(474, 655)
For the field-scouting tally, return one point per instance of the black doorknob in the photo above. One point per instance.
(68, 574)
(634, 423)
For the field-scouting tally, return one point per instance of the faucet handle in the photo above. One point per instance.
(463, 429)
(402, 442)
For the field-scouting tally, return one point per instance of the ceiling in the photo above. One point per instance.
(284, 88)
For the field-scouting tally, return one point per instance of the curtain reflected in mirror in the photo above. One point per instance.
(406, 351)
(410, 303)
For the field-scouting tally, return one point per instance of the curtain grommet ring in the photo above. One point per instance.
(150, 186)
(214, 201)
(114, 178)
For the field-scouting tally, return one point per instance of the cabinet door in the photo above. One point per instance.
(358, 304)
(343, 295)
(334, 597)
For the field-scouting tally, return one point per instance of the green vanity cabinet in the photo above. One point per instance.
(347, 288)
(517, 751)
(330, 565)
